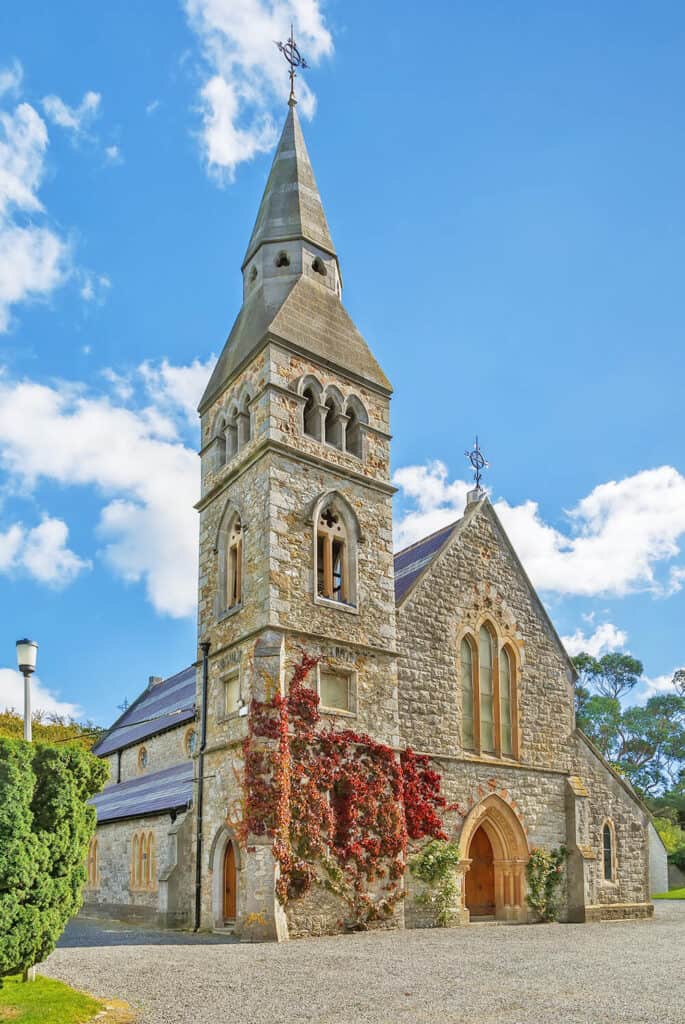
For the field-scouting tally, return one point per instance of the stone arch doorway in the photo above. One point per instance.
(226, 868)
(495, 849)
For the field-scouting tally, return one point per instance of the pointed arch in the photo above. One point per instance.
(509, 851)
(244, 419)
(489, 687)
(609, 860)
(336, 537)
(223, 839)
(333, 429)
(230, 554)
(219, 439)
(357, 419)
(311, 390)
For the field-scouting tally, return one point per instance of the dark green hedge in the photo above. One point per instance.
(45, 828)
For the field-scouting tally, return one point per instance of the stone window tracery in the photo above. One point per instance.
(332, 557)
(489, 717)
(143, 861)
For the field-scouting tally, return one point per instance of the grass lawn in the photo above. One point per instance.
(672, 894)
(44, 1001)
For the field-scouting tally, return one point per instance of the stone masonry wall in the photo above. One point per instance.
(164, 750)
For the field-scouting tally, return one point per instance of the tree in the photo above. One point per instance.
(679, 681)
(645, 744)
(51, 728)
(45, 827)
(614, 675)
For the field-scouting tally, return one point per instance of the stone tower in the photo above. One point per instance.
(295, 517)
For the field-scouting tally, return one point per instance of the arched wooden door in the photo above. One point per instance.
(229, 883)
(480, 878)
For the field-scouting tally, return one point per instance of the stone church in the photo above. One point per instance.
(444, 647)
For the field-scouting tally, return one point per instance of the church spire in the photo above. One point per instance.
(291, 206)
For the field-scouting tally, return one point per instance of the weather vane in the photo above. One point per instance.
(295, 60)
(478, 463)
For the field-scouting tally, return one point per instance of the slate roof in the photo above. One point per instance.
(158, 708)
(412, 561)
(167, 790)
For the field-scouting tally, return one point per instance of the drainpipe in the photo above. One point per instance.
(204, 647)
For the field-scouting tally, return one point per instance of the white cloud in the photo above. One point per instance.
(33, 258)
(152, 106)
(11, 78)
(606, 637)
(75, 119)
(245, 75)
(113, 154)
(94, 287)
(177, 386)
(41, 552)
(657, 686)
(135, 458)
(618, 537)
(42, 699)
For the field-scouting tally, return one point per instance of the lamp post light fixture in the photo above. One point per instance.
(27, 652)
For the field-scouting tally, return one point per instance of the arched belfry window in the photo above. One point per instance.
(489, 722)
(220, 441)
(333, 423)
(312, 414)
(230, 555)
(336, 536)
(354, 437)
(244, 421)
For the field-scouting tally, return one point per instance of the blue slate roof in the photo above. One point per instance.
(158, 708)
(411, 562)
(168, 790)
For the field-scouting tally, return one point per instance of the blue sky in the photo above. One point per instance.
(504, 186)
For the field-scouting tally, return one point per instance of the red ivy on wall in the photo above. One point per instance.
(339, 806)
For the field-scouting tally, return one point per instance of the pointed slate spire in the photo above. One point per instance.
(291, 205)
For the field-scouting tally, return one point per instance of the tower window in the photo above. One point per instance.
(282, 260)
(253, 275)
(234, 572)
(333, 424)
(332, 569)
(489, 716)
(335, 690)
(319, 267)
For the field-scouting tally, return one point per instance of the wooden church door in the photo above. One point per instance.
(229, 883)
(480, 878)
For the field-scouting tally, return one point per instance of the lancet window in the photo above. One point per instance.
(609, 851)
(489, 723)
(92, 865)
(143, 861)
(332, 557)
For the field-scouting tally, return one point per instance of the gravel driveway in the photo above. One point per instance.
(486, 974)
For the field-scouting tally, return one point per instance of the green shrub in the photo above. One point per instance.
(544, 873)
(434, 865)
(45, 827)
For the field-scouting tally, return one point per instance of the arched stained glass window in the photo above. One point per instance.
(485, 673)
(467, 694)
(505, 700)
(608, 851)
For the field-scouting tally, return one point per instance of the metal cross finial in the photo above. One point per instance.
(295, 60)
(478, 463)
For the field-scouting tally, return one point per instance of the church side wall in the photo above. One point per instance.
(628, 895)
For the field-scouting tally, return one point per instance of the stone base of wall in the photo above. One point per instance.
(122, 912)
(617, 912)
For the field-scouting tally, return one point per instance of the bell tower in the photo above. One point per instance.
(295, 515)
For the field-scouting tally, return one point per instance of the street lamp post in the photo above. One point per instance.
(27, 651)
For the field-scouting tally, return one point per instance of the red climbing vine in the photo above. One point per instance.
(338, 805)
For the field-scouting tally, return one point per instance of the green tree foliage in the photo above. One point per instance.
(672, 836)
(45, 827)
(645, 744)
(51, 728)
(435, 866)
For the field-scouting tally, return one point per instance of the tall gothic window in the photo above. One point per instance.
(488, 696)
(92, 865)
(143, 861)
(467, 693)
(332, 557)
(234, 572)
(608, 851)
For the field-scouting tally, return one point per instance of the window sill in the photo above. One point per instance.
(338, 712)
(228, 612)
(326, 602)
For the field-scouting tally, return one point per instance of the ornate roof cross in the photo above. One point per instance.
(295, 60)
(478, 463)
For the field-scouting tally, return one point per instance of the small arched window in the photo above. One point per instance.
(92, 864)
(150, 862)
(485, 673)
(311, 413)
(319, 267)
(608, 852)
(332, 557)
(282, 260)
(220, 442)
(143, 758)
(232, 433)
(191, 741)
(354, 436)
(467, 694)
(333, 423)
(253, 275)
(234, 563)
(244, 422)
(135, 860)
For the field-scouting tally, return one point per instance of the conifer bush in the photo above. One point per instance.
(45, 828)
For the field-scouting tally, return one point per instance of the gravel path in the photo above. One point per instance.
(617, 973)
